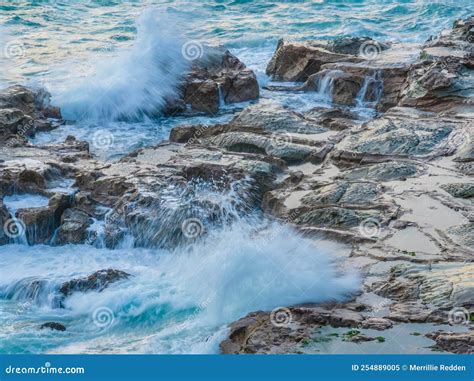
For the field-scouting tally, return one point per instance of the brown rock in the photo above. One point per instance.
(41, 223)
(73, 229)
(295, 62)
(97, 281)
(202, 96)
(455, 342)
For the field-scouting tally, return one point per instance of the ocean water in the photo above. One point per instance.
(103, 59)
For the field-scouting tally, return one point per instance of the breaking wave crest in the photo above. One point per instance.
(133, 83)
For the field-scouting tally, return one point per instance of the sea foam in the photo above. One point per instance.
(135, 81)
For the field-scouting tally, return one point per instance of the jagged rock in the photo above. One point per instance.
(33, 104)
(243, 87)
(202, 96)
(463, 234)
(333, 119)
(255, 333)
(73, 228)
(342, 192)
(353, 45)
(97, 281)
(428, 83)
(455, 342)
(71, 151)
(295, 61)
(191, 134)
(415, 312)
(461, 190)
(217, 76)
(260, 119)
(465, 153)
(343, 87)
(19, 97)
(359, 338)
(335, 217)
(54, 326)
(143, 196)
(15, 127)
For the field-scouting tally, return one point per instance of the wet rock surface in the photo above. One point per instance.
(394, 187)
(54, 326)
(95, 282)
(217, 77)
(460, 343)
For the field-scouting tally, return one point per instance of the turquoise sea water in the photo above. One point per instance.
(176, 302)
(56, 31)
(76, 49)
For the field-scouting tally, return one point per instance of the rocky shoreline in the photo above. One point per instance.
(396, 189)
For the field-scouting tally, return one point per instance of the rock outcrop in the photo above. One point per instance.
(215, 79)
(97, 281)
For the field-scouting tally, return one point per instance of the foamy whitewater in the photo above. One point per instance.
(110, 67)
(175, 302)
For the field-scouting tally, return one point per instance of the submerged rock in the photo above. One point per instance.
(54, 326)
(97, 281)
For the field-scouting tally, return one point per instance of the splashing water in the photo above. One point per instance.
(371, 91)
(176, 301)
(325, 84)
(134, 83)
